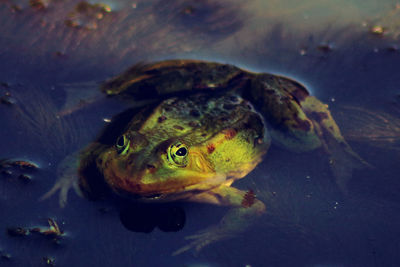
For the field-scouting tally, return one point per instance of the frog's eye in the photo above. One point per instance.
(122, 144)
(178, 154)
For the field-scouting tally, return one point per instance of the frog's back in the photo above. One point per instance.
(169, 77)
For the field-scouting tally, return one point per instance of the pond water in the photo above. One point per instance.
(55, 53)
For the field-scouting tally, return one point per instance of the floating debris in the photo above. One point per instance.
(53, 231)
(9, 167)
(49, 261)
(377, 30)
(25, 178)
(22, 164)
(17, 231)
(86, 15)
(7, 100)
(387, 24)
(60, 54)
(325, 47)
(39, 4)
(335, 206)
(303, 52)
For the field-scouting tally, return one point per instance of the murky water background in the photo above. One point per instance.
(335, 48)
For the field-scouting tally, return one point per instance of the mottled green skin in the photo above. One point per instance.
(281, 101)
(207, 107)
(224, 136)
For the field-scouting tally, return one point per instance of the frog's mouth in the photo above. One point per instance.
(146, 186)
(172, 188)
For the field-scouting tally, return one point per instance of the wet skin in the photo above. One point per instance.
(209, 125)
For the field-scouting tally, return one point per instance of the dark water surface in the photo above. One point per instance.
(47, 48)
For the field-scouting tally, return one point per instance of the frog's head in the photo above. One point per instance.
(169, 162)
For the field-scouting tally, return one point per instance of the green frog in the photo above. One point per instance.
(204, 125)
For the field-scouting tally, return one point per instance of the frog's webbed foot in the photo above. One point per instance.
(63, 185)
(343, 159)
(246, 208)
(343, 162)
(204, 238)
(79, 96)
(67, 179)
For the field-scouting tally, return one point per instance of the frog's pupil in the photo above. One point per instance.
(181, 152)
(120, 141)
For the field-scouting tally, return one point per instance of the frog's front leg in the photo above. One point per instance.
(245, 210)
(67, 178)
(69, 174)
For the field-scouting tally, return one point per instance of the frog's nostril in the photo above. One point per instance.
(151, 168)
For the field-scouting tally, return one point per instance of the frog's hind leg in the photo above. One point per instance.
(300, 122)
(343, 160)
(246, 208)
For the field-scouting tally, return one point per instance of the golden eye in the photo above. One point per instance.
(122, 144)
(178, 154)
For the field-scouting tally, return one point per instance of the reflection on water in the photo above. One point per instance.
(326, 45)
(144, 218)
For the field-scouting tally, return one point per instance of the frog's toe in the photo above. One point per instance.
(197, 244)
(203, 239)
(192, 245)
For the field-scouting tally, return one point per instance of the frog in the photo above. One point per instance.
(203, 125)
